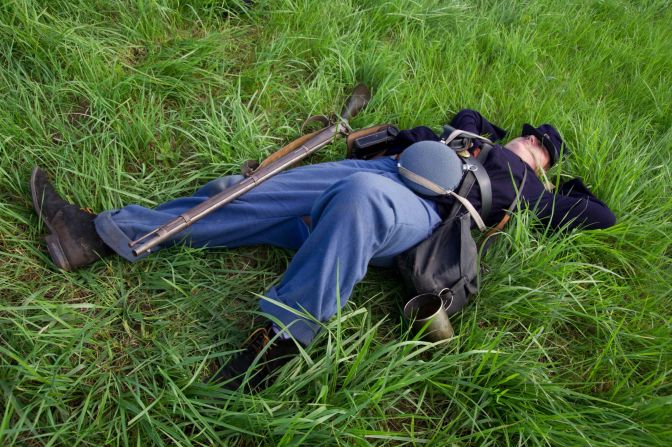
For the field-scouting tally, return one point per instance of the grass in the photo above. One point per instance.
(569, 341)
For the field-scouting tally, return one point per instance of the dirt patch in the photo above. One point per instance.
(79, 113)
(136, 55)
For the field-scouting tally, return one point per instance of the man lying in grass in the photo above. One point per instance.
(339, 217)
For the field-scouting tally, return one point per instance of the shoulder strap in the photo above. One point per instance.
(476, 168)
(484, 183)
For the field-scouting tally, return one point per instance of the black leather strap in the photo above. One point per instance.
(483, 181)
(484, 184)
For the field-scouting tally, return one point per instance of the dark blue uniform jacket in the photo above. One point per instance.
(571, 205)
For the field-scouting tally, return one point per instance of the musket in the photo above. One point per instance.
(275, 163)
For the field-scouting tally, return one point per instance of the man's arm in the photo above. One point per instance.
(473, 121)
(575, 207)
(466, 119)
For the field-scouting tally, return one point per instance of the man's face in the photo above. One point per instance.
(530, 150)
(543, 156)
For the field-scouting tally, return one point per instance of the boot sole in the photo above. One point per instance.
(37, 201)
(53, 243)
(56, 252)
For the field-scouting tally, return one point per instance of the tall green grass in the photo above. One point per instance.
(139, 101)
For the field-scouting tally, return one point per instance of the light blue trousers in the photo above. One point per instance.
(361, 213)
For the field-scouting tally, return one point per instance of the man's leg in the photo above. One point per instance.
(269, 214)
(366, 217)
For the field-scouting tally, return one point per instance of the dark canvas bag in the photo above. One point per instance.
(446, 263)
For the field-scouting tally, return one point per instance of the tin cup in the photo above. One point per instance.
(429, 309)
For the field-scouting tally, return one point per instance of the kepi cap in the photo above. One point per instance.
(550, 138)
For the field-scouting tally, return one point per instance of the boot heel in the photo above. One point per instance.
(56, 252)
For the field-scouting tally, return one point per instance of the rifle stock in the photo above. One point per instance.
(309, 144)
(359, 98)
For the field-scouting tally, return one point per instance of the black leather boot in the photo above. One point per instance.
(269, 358)
(72, 240)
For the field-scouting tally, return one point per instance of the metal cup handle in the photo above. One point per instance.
(447, 296)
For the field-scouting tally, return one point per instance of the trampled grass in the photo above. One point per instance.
(569, 341)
